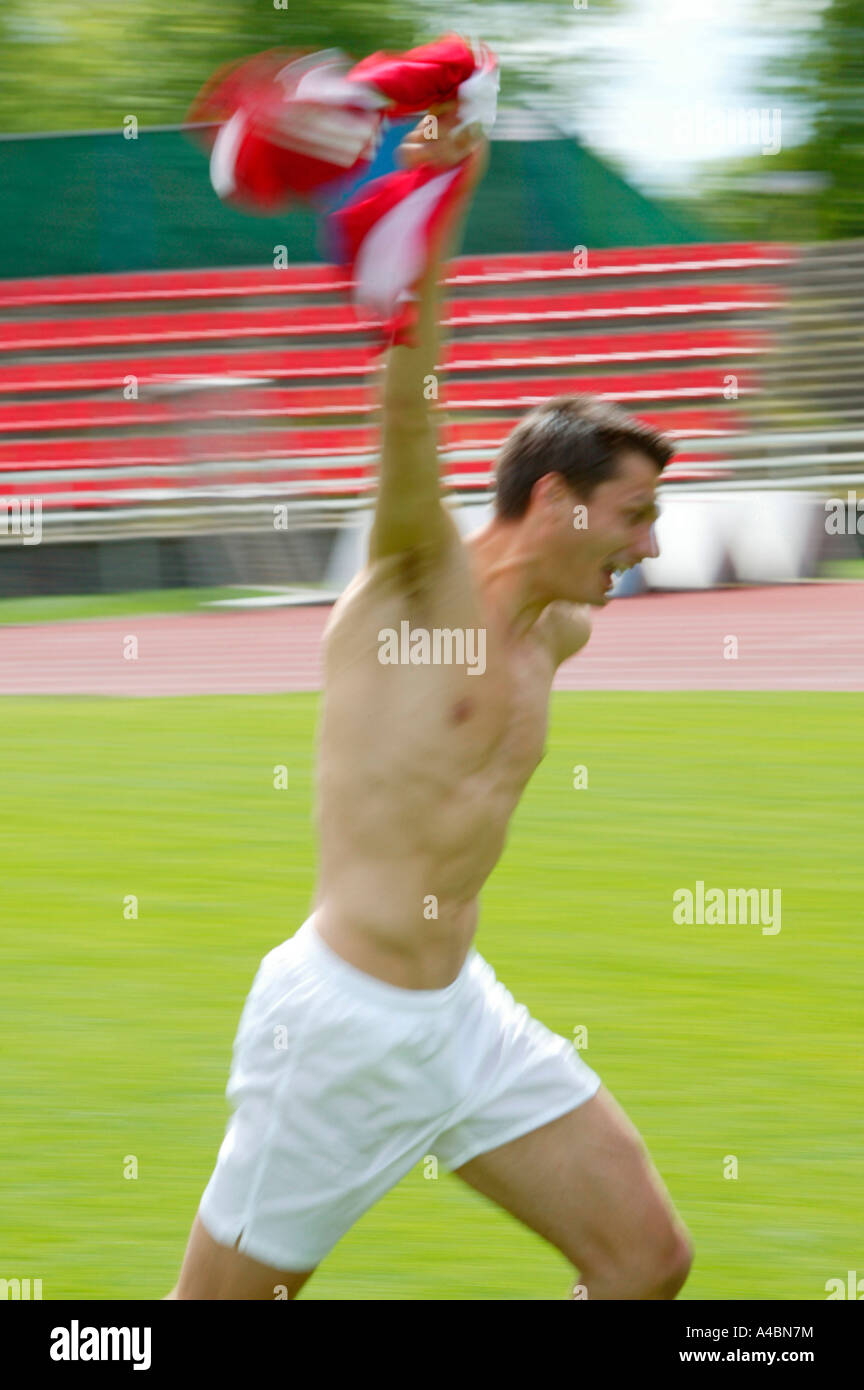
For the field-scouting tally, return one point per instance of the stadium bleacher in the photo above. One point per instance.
(178, 392)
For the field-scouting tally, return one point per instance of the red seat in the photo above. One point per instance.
(656, 327)
(304, 364)
(182, 285)
(254, 404)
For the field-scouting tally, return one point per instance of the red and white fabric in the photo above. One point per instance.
(299, 125)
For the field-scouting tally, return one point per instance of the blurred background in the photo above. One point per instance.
(673, 218)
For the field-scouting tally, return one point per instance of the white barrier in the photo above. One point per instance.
(778, 537)
(705, 539)
(754, 537)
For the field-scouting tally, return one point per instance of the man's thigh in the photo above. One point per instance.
(586, 1184)
(213, 1271)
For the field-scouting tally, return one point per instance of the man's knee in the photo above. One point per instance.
(653, 1267)
(673, 1265)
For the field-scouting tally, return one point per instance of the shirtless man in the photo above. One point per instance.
(377, 1034)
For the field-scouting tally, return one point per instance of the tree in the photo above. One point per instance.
(813, 190)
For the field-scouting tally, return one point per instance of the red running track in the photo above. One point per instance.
(789, 637)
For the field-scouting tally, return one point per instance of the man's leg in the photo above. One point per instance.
(213, 1271)
(586, 1184)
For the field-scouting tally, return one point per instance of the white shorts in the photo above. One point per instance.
(340, 1083)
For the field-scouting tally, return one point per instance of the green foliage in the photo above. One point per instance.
(821, 75)
(85, 64)
(74, 66)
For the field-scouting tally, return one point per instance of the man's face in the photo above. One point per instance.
(612, 530)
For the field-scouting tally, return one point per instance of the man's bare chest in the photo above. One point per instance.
(463, 701)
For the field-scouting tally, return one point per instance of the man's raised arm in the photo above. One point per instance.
(409, 513)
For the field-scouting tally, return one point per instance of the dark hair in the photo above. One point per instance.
(579, 437)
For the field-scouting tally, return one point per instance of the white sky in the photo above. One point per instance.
(668, 77)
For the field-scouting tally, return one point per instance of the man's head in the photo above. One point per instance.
(579, 475)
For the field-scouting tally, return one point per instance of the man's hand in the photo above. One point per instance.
(449, 145)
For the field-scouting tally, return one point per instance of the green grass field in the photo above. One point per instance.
(52, 608)
(717, 1040)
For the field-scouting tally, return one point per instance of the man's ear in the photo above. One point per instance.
(550, 490)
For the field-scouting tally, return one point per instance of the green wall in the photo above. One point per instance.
(99, 202)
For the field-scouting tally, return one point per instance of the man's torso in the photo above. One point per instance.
(420, 767)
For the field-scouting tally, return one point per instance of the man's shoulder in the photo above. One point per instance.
(566, 627)
(427, 564)
(402, 578)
